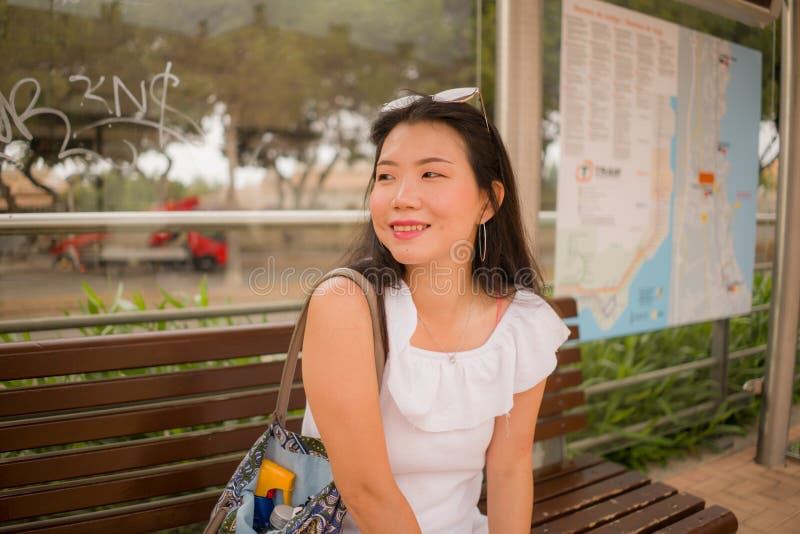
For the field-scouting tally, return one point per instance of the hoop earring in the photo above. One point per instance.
(482, 250)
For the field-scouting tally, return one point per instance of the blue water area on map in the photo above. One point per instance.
(740, 130)
(644, 298)
(649, 291)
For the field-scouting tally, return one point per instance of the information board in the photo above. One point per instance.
(656, 207)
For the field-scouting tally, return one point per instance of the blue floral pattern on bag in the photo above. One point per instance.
(323, 513)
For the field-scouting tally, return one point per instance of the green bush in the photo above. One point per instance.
(614, 359)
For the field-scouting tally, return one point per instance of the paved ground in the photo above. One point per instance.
(763, 499)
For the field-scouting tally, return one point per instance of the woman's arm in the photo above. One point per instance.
(509, 465)
(342, 390)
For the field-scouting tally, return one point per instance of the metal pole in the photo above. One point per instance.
(518, 101)
(720, 333)
(518, 115)
(782, 342)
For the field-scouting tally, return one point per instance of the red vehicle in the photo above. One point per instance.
(67, 252)
(205, 251)
(208, 250)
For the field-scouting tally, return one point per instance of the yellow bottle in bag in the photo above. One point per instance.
(273, 476)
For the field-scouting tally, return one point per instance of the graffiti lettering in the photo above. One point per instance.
(8, 113)
(11, 119)
(89, 93)
(140, 105)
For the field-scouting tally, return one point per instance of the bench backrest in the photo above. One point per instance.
(142, 430)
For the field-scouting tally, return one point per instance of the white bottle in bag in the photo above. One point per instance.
(280, 516)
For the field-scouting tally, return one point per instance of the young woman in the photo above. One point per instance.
(470, 340)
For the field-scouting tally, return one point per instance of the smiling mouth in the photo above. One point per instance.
(410, 228)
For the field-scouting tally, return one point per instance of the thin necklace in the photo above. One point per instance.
(450, 355)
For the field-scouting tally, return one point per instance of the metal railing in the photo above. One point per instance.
(718, 361)
(148, 221)
(44, 324)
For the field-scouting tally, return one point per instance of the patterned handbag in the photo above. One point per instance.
(314, 489)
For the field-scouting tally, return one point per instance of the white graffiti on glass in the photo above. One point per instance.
(11, 117)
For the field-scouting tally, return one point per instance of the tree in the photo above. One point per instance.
(282, 71)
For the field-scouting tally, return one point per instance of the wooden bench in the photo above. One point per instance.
(147, 445)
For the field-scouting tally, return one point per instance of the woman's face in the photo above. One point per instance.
(426, 204)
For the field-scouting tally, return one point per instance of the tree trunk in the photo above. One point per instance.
(26, 170)
(232, 153)
(301, 184)
(6, 192)
(163, 181)
(233, 270)
(279, 186)
(312, 203)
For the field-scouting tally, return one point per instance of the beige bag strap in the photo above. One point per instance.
(295, 344)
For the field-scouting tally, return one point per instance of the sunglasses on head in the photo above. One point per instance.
(458, 95)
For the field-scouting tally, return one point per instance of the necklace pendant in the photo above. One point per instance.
(452, 356)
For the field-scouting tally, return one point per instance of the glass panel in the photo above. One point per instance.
(195, 105)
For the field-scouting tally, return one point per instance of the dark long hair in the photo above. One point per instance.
(509, 261)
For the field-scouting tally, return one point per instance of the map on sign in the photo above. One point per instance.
(656, 208)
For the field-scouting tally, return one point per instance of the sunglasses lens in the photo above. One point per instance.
(400, 103)
(459, 94)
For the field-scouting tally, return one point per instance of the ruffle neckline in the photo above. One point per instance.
(437, 395)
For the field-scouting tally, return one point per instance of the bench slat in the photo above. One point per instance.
(141, 419)
(595, 515)
(569, 466)
(714, 519)
(573, 332)
(587, 495)
(569, 355)
(563, 380)
(664, 512)
(591, 472)
(556, 486)
(112, 489)
(86, 355)
(140, 453)
(549, 472)
(141, 517)
(294, 425)
(566, 307)
(550, 427)
(137, 388)
(554, 403)
(202, 410)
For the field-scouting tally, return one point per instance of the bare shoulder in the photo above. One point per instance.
(338, 310)
(338, 340)
(341, 297)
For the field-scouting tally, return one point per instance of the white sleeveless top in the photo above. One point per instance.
(438, 416)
